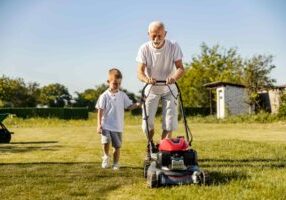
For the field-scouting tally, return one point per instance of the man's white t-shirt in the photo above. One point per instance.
(160, 63)
(113, 105)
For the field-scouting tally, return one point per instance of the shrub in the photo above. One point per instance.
(282, 108)
(61, 113)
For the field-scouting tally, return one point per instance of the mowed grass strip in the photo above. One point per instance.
(245, 161)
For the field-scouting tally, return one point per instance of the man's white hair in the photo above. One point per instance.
(156, 24)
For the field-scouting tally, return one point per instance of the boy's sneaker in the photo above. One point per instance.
(115, 166)
(105, 162)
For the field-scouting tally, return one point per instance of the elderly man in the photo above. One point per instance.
(160, 59)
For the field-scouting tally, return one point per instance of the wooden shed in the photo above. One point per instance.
(231, 99)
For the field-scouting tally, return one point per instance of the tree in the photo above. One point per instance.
(213, 64)
(131, 95)
(16, 93)
(89, 96)
(33, 91)
(54, 95)
(256, 77)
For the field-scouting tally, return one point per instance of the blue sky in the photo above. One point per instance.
(75, 42)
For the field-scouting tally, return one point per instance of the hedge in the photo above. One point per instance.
(61, 113)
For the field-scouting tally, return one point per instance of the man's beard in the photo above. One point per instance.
(157, 44)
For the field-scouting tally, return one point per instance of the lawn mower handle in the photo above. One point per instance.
(189, 135)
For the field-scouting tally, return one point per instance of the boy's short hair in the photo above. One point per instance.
(114, 73)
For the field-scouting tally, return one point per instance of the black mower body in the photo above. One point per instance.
(165, 158)
(174, 168)
(157, 177)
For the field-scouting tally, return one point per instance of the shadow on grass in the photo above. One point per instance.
(252, 163)
(48, 163)
(222, 178)
(35, 142)
(76, 179)
(22, 147)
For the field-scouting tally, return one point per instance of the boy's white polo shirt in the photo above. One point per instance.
(113, 105)
(160, 63)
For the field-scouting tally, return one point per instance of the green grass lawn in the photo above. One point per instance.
(50, 159)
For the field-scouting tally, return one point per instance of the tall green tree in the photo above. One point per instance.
(213, 64)
(54, 95)
(89, 97)
(16, 93)
(33, 91)
(256, 77)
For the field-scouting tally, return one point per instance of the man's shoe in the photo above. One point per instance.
(148, 156)
(154, 150)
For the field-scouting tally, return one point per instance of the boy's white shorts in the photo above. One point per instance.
(115, 138)
(169, 111)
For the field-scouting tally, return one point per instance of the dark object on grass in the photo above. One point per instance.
(5, 134)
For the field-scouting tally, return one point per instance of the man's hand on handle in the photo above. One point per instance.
(170, 80)
(150, 80)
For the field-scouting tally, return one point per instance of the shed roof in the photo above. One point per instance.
(221, 83)
(281, 86)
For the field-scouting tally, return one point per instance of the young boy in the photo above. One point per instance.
(110, 118)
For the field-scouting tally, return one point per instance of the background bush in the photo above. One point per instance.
(61, 113)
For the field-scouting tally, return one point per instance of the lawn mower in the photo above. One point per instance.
(5, 134)
(172, 161)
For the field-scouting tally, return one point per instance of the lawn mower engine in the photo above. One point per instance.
(175, 155)
(175, 164)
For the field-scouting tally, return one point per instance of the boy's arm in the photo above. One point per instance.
(133, 106)
(99, 119)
